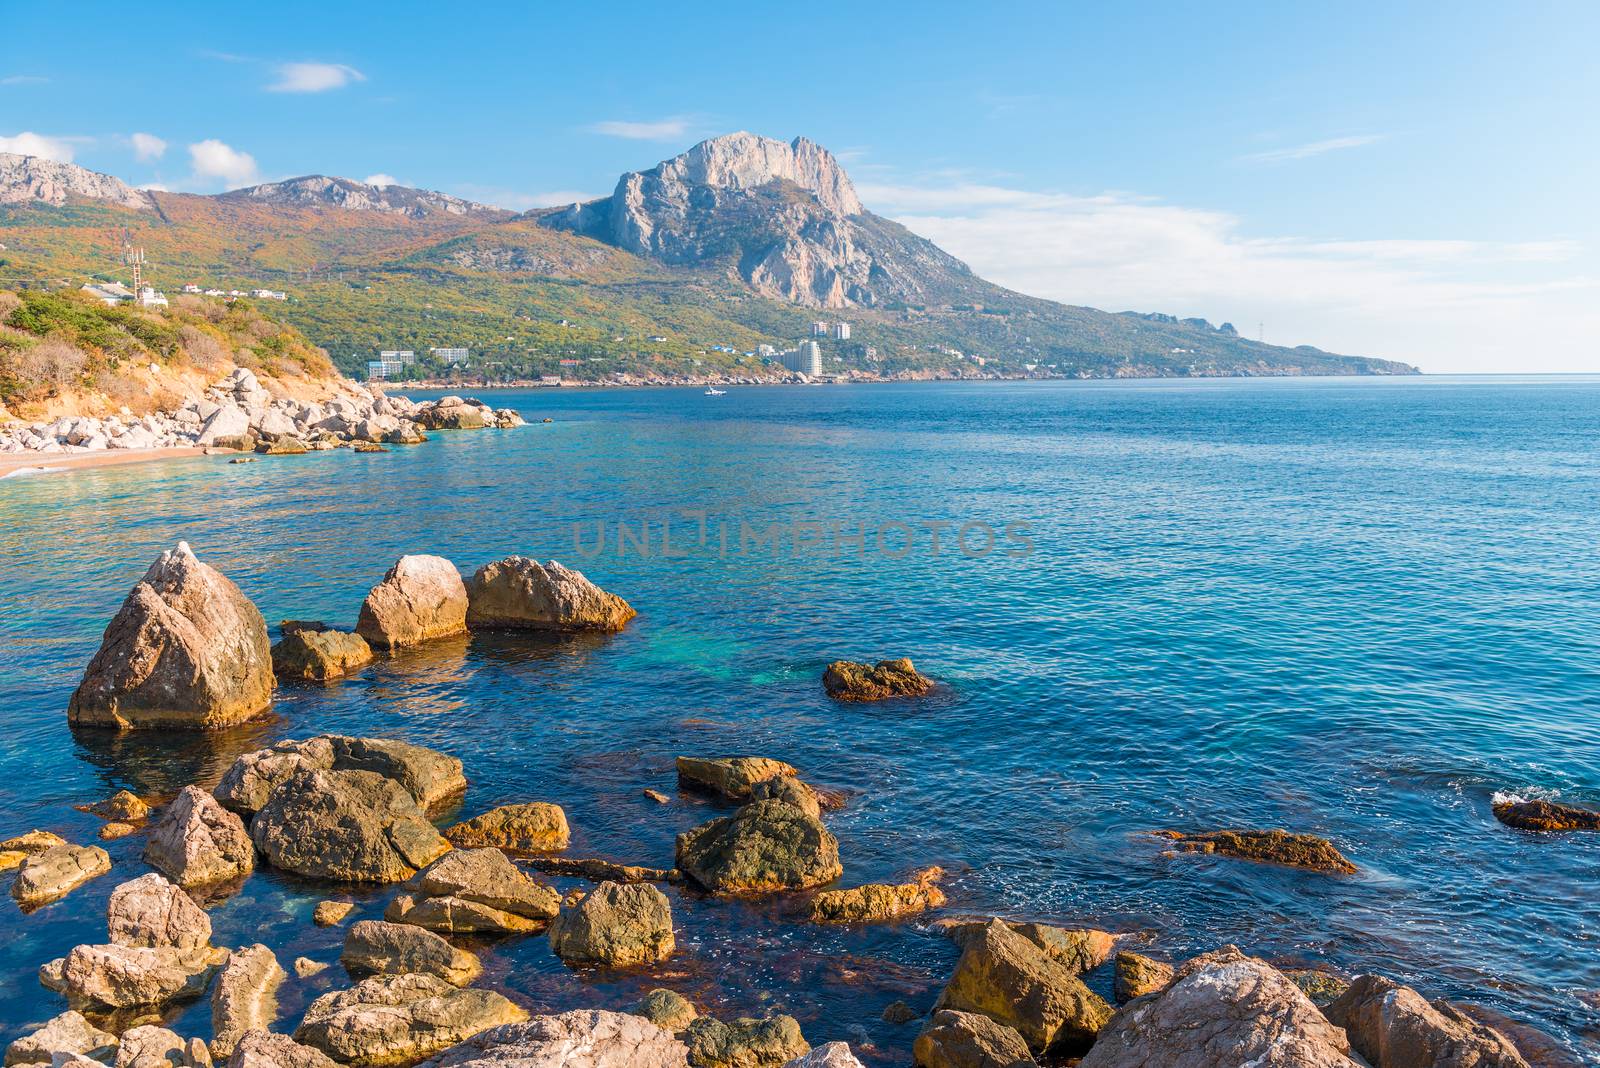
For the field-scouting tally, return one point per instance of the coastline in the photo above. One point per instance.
(13, 465)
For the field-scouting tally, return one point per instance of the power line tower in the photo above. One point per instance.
(134, 258)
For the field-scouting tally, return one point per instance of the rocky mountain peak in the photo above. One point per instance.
(34, 179)
(746, 161)
(318, 190)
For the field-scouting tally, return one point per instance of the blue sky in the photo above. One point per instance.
(1415, 181)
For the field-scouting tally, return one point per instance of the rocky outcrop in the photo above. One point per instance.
(428, 775)
(616, 925)
(1266, 847)
(197, 842)
(456, 413)
(474, 891)
(969, 1040)
(765, 846)
(54, 873)
(1138, 975)
(34, 179)
(667, 1009)
(245, 997)
(149, 1046)
(187, 650)
(351, 826)
(586, 1038)
(150, 911)
(745, 1043)
(533, 827)
(731, 778)
(324, 191)
(1393, 1026)
(118, 977)
(1222, 1008)
(1077, 949)
(1537, 815)
(400, 1019)
(317, 652)
(261, 1049)
(420, 599)
(70, 1033)
(846, 680)
(524, 594)
(880, 902)
(403, 949)
(1009, 979)
(603, 871)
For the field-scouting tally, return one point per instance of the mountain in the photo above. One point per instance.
(685, 268)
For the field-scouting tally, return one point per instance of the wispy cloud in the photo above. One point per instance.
(313, 77)
(147, 147)
(214, 161)
(28, 143)
(518, 200)
(23, 79)
(660, 130)
(1314, 148)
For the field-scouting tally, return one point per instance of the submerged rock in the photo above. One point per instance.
(420, 599)
(400, 1019)
(1138, 975)
(603, 871)
(70, 1033)
(667, 1009)
(245, 998)
(32, 843)
(880, 902)
(197, 842)
(524, 594)
(150, 911)
(401, 949)
(1546, 816)
(319, 653)
(186, 650)
(1393, 1026)
(261, 1049)
(331, 913)
(1323, 988)
(585, 1038)
(353, 826)
(1266, 847)
(56, 872)
(969, 1040)
(616, 925)
(731, 778)
(765, 846)
(1222, 1008)
(534, 827)
(846, 680)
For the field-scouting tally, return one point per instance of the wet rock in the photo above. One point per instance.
(319, 654)
(1011, 980)
(428, 775)
(765, 846)
(331, 913)
(1323, 988)
(186, 650)
(112, 831)
(400, 1019)
(1222, 1008)
(32, 843)
(1138, 975)
(56, 872)
(585, 1038)
(1078, 949)
(305, 967)
(401, 949)
(790, 790)
(1546, 816)
(829, 1055)
(149, 911)
(245, 998)
(260, 1049)
(156, 1047)
(617, 925)
(535, 827)
(898, 1012)
(969, 1040)
(122, 807)
(470, 891)
(197, 842)
(524, 594)
(1266, 847)
(846, 680)
(420, 599)
(353, 826)
(880, 902)
(602, 871)
(667, 1009)
(1393, 1026)
(657, 796)
(119, 977)
(732, 778)
(745, 1043)
(69, 1033)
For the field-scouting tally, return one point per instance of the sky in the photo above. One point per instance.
(1416, 181)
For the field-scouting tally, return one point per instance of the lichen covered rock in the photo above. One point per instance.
(731, 778)
(533, 827)
(846, 680)
(1138, 975)
(1266, 847)
(428, 775)
(616, 925)
(880, 902)
(745, 1043)
(765, 846)
(1537, 815)
(667, 1009)
(317, 653)
(969, 1040)
(352, 826)
(524, 594)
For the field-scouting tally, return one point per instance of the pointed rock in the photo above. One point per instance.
(149, 911)
(197, 842)
(420, 599)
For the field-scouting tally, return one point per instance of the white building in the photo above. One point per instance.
(806, 360)
(112, 293)
(269, 294)
(381, 369)
(149, 297)
(819, 329)
(767, 351)
(841, 331)
(190, 287)
(404, 357)
(449, 356)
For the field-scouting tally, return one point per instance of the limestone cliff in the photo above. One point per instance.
(320, 191)
(25, 179)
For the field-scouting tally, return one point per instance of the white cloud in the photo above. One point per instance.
(28, 143)
(314, 77)
(153, 187)
(383, 181)
(1315, 148)
(661, 130)
(147, 146)
(23, 79)
(213, 161)
(1446, 305)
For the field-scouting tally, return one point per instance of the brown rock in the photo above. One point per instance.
(197, 842)
(535, 827)
(745, 1043)
(260, 1049)
(584, 1038)
(472, 891)
(32, 843)
(245, 998)
(319, 654)
(112, 831)
(353, 826)
(401, 949)
(149, 911)
(1546, 816)
(667, 1009)
(846, 680)
(69, 1033)
(603, 871)
(1078, 949)
(56, 872)
(791, 790)
(732, 778)
(765, 846)
(1266, 847)
(1138, 975)
(1323, 988)
(969, 1040)
(428, 775)
(878, 902)
(521, 593)
(119, 977)
(657, 796)
(616, 925)
(1393, 1026)
(400, 1019)
(420, 599)
(332, 913)
(149, 1046)
(123, 807)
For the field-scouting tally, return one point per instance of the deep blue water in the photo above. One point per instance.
(1355, 607)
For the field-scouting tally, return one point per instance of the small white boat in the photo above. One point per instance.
(713, 391)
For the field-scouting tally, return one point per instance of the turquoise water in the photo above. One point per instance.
(1357, 608)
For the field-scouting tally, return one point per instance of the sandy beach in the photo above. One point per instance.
(24, 464)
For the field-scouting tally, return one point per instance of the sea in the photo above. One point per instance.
(1359, 608)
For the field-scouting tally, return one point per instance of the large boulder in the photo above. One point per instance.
(70, 1033)
(1266, 847)
(428, 775)
(731, 778)
(880, 902)
(318, 653)
(584, 1038)
(846, 680)
(616, 924)
(227, 422)
(187, 650)
(252, 777)
(420, 599)
(351, 826)
(197, 842)
(1223, 1008)
(262, 1049)
(1078, 949)
(150, 911)
(150, 1046)
(533, 827)
(245, 997)
(1539, 815)
(1137, 975)
(745, 1043)
(765, 846)
(667, 1009)
(828, 1055)
(524, 594)
(969, 1040)
(401, 949)
(1393, 1026)
(118, 977)
(1009, 979)
(400, 1019)
(454, 413)
(54, 873)
(474, 891)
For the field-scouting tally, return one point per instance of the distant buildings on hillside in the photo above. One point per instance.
(452, 357)
(805, 359)
(114, 293)
(838, 331)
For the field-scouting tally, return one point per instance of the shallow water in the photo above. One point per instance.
(1358, 608)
